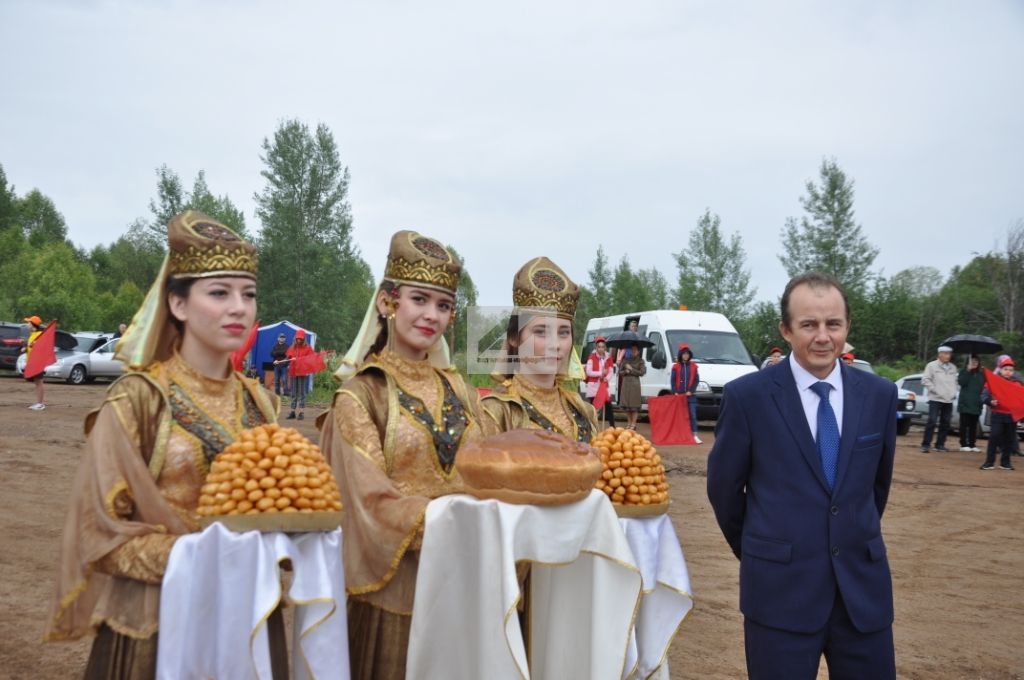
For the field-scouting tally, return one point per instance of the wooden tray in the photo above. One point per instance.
(290, 522)
(641, 510)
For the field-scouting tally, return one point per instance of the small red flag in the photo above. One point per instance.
(1008, 393)
(601, 398)
(41, 354)
(238, 356)
(308, 364)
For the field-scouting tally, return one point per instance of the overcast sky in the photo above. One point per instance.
(518, 129)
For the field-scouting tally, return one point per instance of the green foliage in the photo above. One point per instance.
(8, 204)
(135, 258)
(310, 270)
(711, 272)
(759, 330)
(171, 199)
(40, 221)
(828, 239)
(464, 299)
(55, 284)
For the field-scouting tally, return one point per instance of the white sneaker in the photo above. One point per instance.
(965, 448)
(975, 449)
(697, 439)
(38, 406)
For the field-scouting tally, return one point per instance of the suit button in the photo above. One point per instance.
(834, 509)
(835, 551)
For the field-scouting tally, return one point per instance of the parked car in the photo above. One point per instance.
(92, 357)
(906, 400)
(11, 344)
(913, 383)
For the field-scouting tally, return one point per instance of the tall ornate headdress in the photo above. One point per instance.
(198, 247)
(413, 260)
(541, 287)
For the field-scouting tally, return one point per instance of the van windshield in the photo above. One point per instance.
(711, 347)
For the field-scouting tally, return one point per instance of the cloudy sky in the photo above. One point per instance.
(518, 129)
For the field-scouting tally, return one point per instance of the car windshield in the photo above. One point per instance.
(711, 347)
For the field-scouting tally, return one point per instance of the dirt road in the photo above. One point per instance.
(954, 536)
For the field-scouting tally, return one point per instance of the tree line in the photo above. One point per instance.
(312, 273)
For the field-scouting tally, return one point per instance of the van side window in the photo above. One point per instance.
(656, 339)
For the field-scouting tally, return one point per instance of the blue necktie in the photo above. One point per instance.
(828, 433)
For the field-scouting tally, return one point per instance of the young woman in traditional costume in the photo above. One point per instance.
(150, 443)
(392, 436)
(537, 355)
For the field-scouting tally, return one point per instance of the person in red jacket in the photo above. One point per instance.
(299, 376)
(600, 367)
(1004, 428)
(684, 381)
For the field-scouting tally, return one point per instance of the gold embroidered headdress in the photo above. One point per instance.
(541, 287)
(413, 260)
(198, 247)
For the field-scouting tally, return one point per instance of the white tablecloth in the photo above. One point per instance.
(219, 589)
(666, 584)
(585, 591)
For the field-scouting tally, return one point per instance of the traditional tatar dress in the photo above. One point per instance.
(392, 436)
(147, 453)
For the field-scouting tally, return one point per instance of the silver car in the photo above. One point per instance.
(92, 357)
(913, 383)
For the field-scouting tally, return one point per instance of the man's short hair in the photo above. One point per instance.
(816, 280)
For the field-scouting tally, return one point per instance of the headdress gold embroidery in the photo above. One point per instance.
(199, 246)
(421, 261)
(540, 283)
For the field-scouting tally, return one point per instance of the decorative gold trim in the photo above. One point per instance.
(395, 561)
(108, 500)
(421, 273)
(215, 260)
(118, 627)
(262, 623)
(671, 639)
(66, 602)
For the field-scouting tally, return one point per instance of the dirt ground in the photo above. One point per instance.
(953, 534)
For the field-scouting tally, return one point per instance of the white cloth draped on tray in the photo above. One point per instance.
(585, 590)
(219, 589)
(667, 599)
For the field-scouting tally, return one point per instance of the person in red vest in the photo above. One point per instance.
(299, 374)
(600, 368)
(37, 330)
(1004, 428)
(684, 381)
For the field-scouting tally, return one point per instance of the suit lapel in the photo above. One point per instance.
(791, 410)
(852, 395)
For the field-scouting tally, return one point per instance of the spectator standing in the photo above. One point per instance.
(774, 357)
(37, 329)
(940, 378)
(630, 371)
(600, 368)
(121, 328)
(685, 377)
(848, 358)
(1004, 428)
(299, 375)
(972, 382)
(279, 355)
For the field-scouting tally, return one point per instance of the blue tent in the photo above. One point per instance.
(266, 337)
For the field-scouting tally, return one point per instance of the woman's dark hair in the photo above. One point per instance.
(179, 287)
(381, 342)
(679, 355)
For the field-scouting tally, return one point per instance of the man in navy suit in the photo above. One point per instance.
(798, 484)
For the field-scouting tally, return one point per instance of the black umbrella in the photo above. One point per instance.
(973, 344)
(628, 339)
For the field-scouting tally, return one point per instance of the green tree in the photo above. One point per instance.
(171, 199)
(40, 220)
(595, 295)
(464, 299)
(118, 307)
(656, 286)
(711, 272)
(760, 328)
(828, 239)
(135, 257)
(55, 284)
(310, 270)
(8, 204)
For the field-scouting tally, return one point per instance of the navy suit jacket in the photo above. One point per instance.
(797, 542)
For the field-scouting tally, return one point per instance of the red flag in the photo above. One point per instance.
(1008, 393)
(601, 398)
(670, 420)
(307, 364)
(40, 354)
(238, 356)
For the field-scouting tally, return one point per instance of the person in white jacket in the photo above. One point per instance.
(940, 378)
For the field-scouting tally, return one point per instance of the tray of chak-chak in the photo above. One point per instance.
(632, 474)
(270, 479)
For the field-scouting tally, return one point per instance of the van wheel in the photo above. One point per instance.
(77, 375)
(903, 426)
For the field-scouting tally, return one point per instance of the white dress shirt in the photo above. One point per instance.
(809, 398)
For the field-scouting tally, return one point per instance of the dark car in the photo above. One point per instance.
(13, 337)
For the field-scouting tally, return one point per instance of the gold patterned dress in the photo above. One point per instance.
(392, 436)
(136, 491)
(520, 404)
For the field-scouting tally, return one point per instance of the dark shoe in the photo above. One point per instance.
(1005, 467)
(1016, 453)
(987, 467)
(291, 416)
(302, 416)
(943, 449)
(925, 449)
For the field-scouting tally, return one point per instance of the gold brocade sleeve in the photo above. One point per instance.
(380, 523)
(143, 558)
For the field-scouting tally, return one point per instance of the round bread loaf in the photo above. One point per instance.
(529, 467)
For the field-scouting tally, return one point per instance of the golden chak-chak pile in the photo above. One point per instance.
(633, 473)
(269, 469)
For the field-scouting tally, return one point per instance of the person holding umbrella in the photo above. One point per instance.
(972, 382)
(630, 370)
